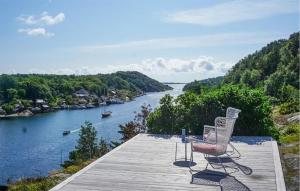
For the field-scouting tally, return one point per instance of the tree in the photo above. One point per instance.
(87, 143)
(128, 130)
(138, 125)
(11, 94)
(166, 115)
(141, 117)
(103, 147)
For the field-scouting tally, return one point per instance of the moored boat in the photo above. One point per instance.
(66, 133)
(106, 114)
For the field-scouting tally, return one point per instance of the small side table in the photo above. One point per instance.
(185, 142)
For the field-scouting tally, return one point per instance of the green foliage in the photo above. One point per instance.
(292, 129)
(275, 67)
(165, 115)
(12, 94)
(142, 81)
(35, 184)
(103, 147)
(8, 108)
(289, 107)
(87, 149)
(87, 144)
(26, 103)
(69, 99)
(51, 87)
(72, 169)
(198, 86)
(192, 112)
(138, 125)
(128, 130)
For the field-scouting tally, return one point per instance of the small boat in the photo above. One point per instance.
(66, 133)
(106, 114)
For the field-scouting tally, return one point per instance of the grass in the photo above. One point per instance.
(289, 150)
(46, 183)
(35, 184)
(72, 169)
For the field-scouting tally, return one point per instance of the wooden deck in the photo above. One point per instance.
(146, 162)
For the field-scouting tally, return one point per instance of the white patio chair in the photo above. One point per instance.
(230, 113)
(233, 113)
(215, 139)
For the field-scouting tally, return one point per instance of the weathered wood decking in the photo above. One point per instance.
(146, 162)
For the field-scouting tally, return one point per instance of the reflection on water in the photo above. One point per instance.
(34, 146)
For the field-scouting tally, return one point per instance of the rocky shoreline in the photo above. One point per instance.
(44, 108)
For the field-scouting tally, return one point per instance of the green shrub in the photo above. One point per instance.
(72, 169)
(292, 129)
(35, 184)
(192, 112)
(9, 108)
(289, 107)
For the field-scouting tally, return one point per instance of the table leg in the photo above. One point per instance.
(185, 145)
(176, 153)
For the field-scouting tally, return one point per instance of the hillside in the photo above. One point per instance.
(23, 90)
(196, 85)
(274, 72)
(275, 68)
(142, 81)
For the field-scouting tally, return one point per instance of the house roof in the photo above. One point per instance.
(82, 91)
(39, 101)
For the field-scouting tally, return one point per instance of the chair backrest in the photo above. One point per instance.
(224, 127)
(232, 113)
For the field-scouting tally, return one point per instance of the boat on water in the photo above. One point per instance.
(106, 114)
(66, 133)
(114, 101)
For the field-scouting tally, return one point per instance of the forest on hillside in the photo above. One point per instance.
(274, 69)
(20, 91)
(259, 82)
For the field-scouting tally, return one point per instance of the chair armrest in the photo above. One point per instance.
(194, 140)
(210, 134)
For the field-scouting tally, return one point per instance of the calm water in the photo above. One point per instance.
(34, 146)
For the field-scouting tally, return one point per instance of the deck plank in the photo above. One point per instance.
(146, 162)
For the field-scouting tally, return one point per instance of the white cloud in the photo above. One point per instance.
(212, 40)
(233, 11)
(52, 20)
(29, 20)
(39, 23)
(164, 69)
(36, 32)
(43, 19)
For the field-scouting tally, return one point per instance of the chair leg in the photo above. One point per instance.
(235, 150)
(220, 161)
(206, 165)
(192, 154)
(190, 163)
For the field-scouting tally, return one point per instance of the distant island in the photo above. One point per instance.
(28, 94)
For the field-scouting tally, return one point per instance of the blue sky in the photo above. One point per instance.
(169, 40)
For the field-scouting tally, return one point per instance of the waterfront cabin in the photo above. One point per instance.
(82, 93)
